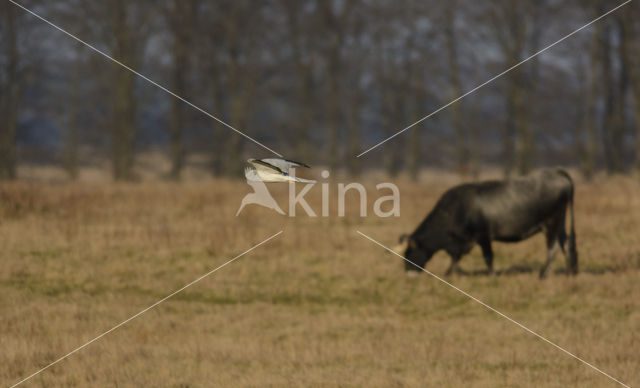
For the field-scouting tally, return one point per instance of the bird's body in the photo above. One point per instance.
(268, 170)
(273, 170)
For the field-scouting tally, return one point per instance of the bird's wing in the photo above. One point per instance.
(268, 173)
(284, 164)
(266, 167)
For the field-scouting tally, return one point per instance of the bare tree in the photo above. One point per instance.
(622, 90)
(355, 96)
(72, 132)
(300, 36)
(588, 163)
(462, 153)
(613, 83)
(510, 22)
(632, 55)
(391, 77)
(392, 99)
(242, 81)
(335, 21)
(211, 67)
(11, 89)
(181, 16)
(235, 72)
(417, 106)
(416, 93)
(123, 102)
(328, 76)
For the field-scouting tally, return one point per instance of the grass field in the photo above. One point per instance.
(317, 306)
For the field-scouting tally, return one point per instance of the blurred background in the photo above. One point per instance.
(319, 81)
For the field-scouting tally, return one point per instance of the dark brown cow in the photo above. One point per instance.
(510, 210)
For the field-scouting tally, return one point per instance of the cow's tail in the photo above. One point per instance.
(572, 251)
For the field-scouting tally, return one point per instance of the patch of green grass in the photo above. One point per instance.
(45, 287)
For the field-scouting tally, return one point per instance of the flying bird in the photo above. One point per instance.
(273, 170)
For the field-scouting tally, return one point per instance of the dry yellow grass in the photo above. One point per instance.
(317, 306)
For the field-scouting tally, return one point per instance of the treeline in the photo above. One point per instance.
(322, 81)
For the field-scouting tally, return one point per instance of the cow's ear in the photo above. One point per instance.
(403, 238)
(413, 244)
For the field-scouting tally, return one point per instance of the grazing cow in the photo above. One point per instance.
(509, 211)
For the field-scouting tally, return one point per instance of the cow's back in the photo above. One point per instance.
(517, 208)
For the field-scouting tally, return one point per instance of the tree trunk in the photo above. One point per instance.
(516, 136)
(123, 131)
(304, 78)
(636, 105)
(182, 18)
(334, 119)
(631, 56)
(9, 97)
(123, 105)
(527, 81)
(306, 113)
(474, 149)
(177, 121)
(414, 151)
(393, 154)
(462, 153)
(334, 25)
(353, 124)
(217, 129)
(508, 157)
(233, 160)
(591, 148)
(612, 116)
(622, 92)
(72, 141)
(525, 142)
(417, 104)
(510, 20)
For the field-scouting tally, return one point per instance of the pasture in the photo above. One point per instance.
(317, 306)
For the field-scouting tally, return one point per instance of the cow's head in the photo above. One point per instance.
(414, 252)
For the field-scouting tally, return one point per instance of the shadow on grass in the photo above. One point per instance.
(528, 269)
(604, 269)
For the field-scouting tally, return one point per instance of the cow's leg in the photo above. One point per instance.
(487, 253)
(553, 244)
(455, 259)
(556, 239)
(562, 242)
(561, 235)
(551, 253)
